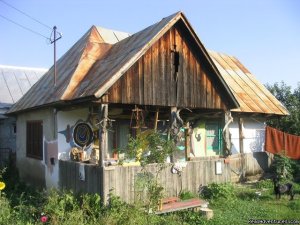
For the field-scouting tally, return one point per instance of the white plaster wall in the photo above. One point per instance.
(254, 135)
(234, 135)
(65, 118)
(37, 171)
(32, 170)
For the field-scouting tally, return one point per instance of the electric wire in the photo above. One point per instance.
(26, 28)
(26, 15)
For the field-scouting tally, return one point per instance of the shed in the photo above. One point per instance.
(14, 83)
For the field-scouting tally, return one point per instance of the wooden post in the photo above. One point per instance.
(156, 120)
(103, 115)
(226, 134)
(241, 143)
(187, 142)
(170, 136)
(241, 135)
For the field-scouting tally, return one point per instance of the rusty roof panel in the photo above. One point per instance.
(102, 56)
(44, 92)
(252, 96)
(119, 57)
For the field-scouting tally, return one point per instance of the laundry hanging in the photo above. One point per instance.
(277, 141)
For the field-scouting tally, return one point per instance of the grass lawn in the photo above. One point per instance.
(250, 203)
(232, 204)
(265, 207)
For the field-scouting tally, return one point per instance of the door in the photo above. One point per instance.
(213, 138)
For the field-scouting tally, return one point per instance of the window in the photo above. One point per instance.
(14, 129)
(34, 139)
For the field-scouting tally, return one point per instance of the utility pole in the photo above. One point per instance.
(55, 38)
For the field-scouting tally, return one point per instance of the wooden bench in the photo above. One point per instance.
(174, 204)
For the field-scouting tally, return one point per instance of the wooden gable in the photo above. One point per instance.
(152, 80)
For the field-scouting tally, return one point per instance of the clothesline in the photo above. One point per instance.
(278, 142)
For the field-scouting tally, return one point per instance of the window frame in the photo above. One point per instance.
(34, 139)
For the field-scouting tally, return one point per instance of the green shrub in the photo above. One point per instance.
(283, 167)
(184, 195)
(264, 184)
(215, 191)
(149, 147)
(6, 214)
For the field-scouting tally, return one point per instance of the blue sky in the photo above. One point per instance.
(263, 34)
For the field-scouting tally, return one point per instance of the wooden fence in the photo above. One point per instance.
(121, 180)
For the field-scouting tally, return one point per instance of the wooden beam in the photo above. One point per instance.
(226, 134)
(187, 142)
(103, 116)
(156, 119)
(241, 134)
(241, 143)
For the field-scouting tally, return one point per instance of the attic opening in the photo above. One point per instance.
(175, 54)
(175, 62)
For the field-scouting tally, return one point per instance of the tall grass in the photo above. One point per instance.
(232, 204)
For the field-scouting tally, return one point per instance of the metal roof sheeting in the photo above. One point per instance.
(111, 36)
(102, 56)
(252, 96)
(16, 81)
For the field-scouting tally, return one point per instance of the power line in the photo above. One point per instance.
(26, 14)
(26, 28)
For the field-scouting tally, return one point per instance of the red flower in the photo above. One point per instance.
(44, 219)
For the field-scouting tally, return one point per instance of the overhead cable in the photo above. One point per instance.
(26, 14)
(26, 28)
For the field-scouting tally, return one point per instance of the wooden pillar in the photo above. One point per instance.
(103, 116)
(241, 135)
(241, 145)
(226, 134)
(187, 141)
(172, 118)
(156, 120)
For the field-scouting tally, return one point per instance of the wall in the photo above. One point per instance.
(7, 134)
(66, 121)
(33, 170)
(46, 172)
(152, 80)
(254, 135)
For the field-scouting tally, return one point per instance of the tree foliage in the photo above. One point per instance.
(291, 100)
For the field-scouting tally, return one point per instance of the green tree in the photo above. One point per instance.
(291, 100)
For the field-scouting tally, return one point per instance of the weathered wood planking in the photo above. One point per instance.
(121, 180)
(152, 79)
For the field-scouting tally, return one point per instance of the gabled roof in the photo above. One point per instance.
(252, 96)
(15, 82)
(96, 62)
(102, 56)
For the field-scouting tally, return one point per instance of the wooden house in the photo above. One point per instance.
(111, 83)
